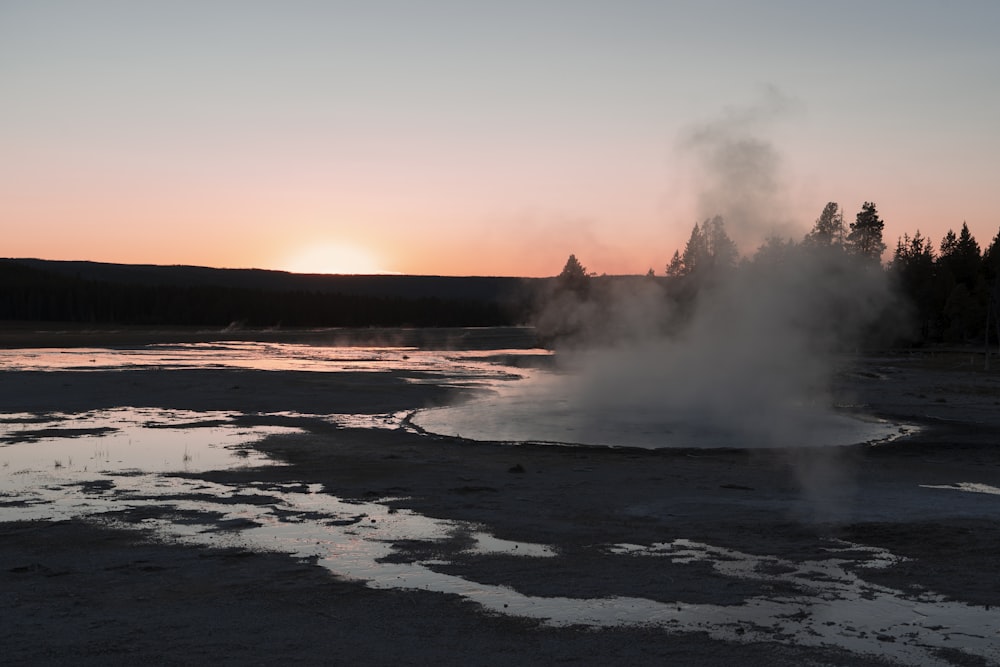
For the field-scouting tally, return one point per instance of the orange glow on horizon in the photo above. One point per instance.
(333, 258)
(252, 232)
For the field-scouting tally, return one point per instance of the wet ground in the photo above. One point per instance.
(148, 479)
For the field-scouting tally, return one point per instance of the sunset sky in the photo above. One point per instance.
(469, 137)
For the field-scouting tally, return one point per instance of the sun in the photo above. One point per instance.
(333, 258)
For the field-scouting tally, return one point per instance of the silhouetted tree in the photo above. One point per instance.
(962, 315)
(695, 257)
(913, 252)
(991, 260)
(675, 269)
(722, 250)
(828, 229)
(960, 256)
(573, 277)
(913, 269)
(709, 252)
(40, 295)
(774, 250)
(865, 237)
(961, 278)
(990, 268)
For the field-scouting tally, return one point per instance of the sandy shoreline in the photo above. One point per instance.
(77, 592)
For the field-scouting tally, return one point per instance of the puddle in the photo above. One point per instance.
(834, 607)
(969, 487)
(103, 463)
(60, 449)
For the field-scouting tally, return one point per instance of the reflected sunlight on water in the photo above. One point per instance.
(39, 451)
(103, 464)
(261, 356)
(123, 460)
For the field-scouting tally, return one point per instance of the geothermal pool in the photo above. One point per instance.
(533, 413)
(515, 404)
(101, 463)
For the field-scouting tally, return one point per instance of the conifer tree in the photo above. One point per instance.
(829, 228)
(574, 276)
(865, 237)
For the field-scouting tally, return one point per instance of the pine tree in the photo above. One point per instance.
(991, 259)
(865, 237)
(709, 252)
(574, 276)
(722, 250)
(829, 228)
(695, 257)
(675, 269)
(960, 277)
(913, 268)
(960, 257)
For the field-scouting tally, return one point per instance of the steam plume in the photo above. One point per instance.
(740, 172)
(754, 359)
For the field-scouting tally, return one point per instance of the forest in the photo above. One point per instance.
(45, 292)
(945, 293)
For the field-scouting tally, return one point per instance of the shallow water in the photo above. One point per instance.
(114, 441)
(45, 461)
(513, 416)
(528, 411)
(524, 404)
(100, 464)
(263, 356)
(970, 487)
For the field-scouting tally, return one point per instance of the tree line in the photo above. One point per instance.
(949, 292)
(32, 294)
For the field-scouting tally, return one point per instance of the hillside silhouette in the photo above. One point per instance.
(102, 293)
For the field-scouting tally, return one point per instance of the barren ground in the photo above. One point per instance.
(82, 592)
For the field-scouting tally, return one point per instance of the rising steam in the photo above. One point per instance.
(747, 362)
(740, 173)
(753, 363)
(755, 357)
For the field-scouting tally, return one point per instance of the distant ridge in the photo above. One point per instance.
(474, 288)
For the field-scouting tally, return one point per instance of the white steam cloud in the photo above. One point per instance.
(753, 361)
(747, 363)
(752, 364)
(739, 173)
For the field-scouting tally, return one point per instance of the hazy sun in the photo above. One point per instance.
(342, 258)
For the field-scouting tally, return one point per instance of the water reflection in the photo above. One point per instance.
(528, 411)
(59, 448)
(524, 405)
(969, 487)
(833, 606)
(266, 357)
(108, 463)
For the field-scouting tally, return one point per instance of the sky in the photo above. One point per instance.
(466, 137)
